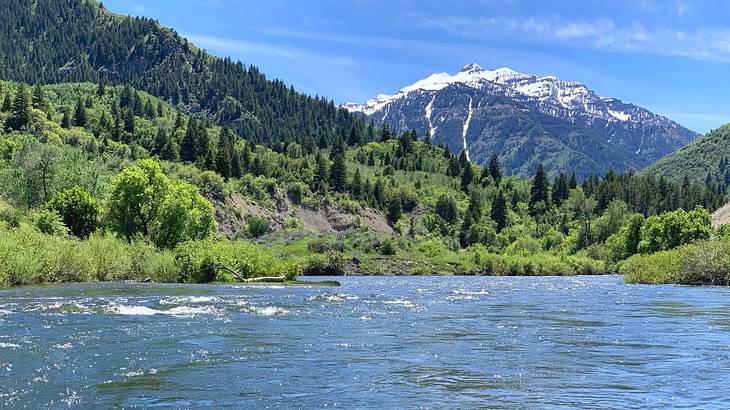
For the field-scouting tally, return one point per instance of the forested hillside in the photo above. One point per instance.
(703, 160)
(132, 168)
(56, 41)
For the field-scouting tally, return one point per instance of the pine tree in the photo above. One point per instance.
(463, 160)
(427, 139)
(7, 103)
(395, 208)
(39, 98)
(494, 169)
(189, 144)
(149, 110)
(21, 109)
(223, 156)
(319, 182)
(100, 89)
(236, 164)
(573, 181)
(338, 172)
(159, 142)
(356, 186)
(66, 120)
(355, 138)
(467, 177)
(454, 168)
(129, 124)
(540, 191)
(371, 159)
(560, 190)
(80, 114)
(499, 211)
(170, 151)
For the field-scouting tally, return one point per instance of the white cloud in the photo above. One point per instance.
(249, 47)
(711, 44)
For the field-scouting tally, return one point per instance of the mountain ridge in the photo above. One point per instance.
(640, 136)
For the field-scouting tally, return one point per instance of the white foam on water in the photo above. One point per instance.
(64, 346)
(400, 302)
(176, 311)
(9, 346)
(179, 300)
(333, 297)
(470, 292)
(270, 311)
(461, 297)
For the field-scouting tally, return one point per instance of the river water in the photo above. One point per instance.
(377, 342)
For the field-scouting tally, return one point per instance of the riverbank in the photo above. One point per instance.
(700, 263)
(29, 257)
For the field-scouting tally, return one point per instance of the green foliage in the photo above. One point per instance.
(705, 262)
(540, 192)
(446, 209)
(136, 199)
(657, 268)
(77, 209)
(48, 222)
(143, 202)
(388, 246)
(538, 264)
(207, 261)
(417, 185)
(257, 226)
(673, 229)
(324, 264)
(706, 154)
(185, 216)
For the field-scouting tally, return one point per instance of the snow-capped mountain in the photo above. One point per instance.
(527, 119)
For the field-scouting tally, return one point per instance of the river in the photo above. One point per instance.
(377, 342)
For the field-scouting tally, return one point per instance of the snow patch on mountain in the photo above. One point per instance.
(619, 115)
(429, 111)
(548, 90)
(466, 128)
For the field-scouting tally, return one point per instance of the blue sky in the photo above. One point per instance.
(670, 56)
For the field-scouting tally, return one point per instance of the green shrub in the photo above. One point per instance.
(48, 222)
(325, 244)
(656, 268)
(77, 209)
(672, 229)
(208, 261)
(388, 246)
(327, 264)
(257, 226)
(432, 248)
(10, 216)
(539, 264)
(293, 224)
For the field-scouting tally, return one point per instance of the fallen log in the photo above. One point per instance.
(266, 279)
(258, 279)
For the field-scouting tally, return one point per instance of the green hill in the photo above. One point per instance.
(704, 160)
(56, 41)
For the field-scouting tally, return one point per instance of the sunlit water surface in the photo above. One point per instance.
(393, 342)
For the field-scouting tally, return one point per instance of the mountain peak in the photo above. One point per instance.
(471, 68)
